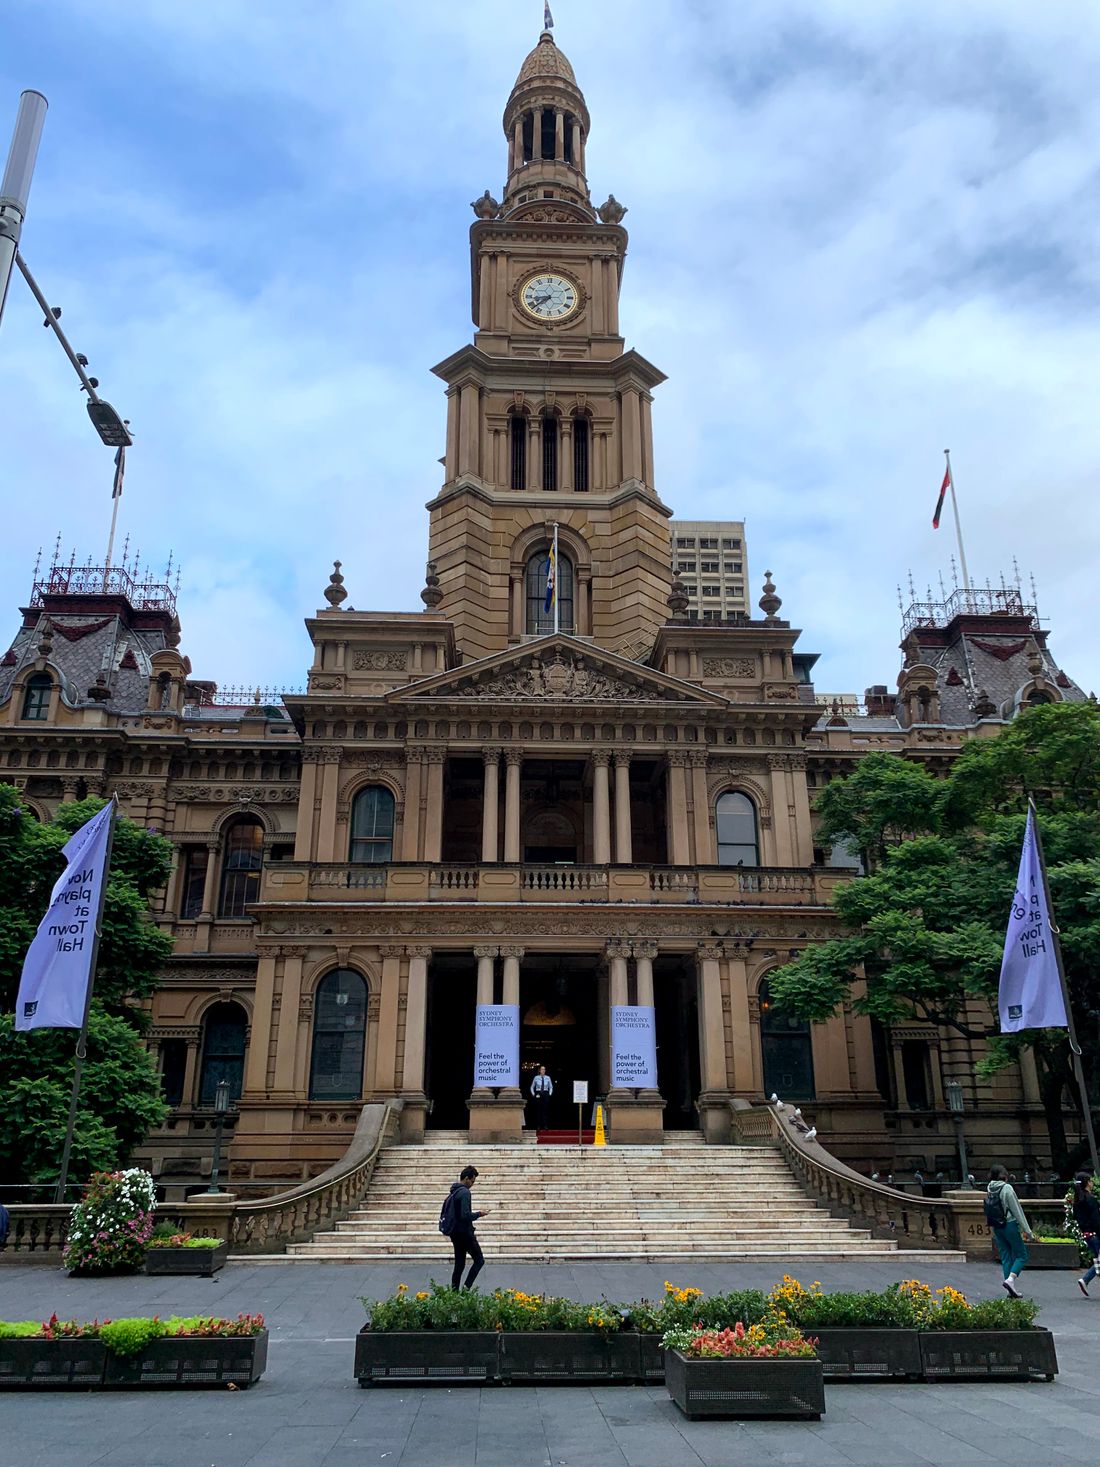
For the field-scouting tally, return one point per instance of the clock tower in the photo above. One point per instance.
(548, 415)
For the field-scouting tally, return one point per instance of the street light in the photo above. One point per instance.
(17, 181)
(956, 1104)
(221, 1105)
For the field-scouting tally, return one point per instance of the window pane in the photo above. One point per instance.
(735, 818)
(372, 826)
(223, 1045)
(194, 881)
(339, 1030)
(241, 866)
(539, 619)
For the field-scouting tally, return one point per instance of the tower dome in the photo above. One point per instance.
(546, 60)
(546, 123)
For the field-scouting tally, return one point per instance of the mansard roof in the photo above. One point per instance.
(557, 669)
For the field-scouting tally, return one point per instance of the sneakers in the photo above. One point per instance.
(1010, 1288)
(1083, 1287)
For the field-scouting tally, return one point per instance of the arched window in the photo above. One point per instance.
(223, 1036)
(36, 700)
(517, 443)
(242, 865)
(1036, 698)
(737, 839)
(540, 617)
(372, 826)
(549, 451)
(339, 1031)
(787, 1051)
(580, 454)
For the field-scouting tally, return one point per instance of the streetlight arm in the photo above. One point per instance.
(51, 320)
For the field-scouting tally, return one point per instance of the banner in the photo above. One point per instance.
(1030, 991)
(58, 966)
(633, 1047)
(496, 1045)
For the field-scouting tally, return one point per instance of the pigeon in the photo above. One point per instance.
(776, 1101)
(798, 1113)
(811, 1134)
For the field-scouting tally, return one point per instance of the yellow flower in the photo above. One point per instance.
(402, 1288)
(423, 1294)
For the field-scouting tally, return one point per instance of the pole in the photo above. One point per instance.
(1075, 1048)
(116, 495)
(960, 1142)
(82, 1037)
(557, 578)
(958, 524)
(16, 184)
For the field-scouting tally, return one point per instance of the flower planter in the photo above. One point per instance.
(200, 1261)
(549, 1355)
(190, 1360)
(43, 1364)
(747, 1387)
(869, 1353)
(427, 1357)
(1050, 1255)
(651, 1359)
(1020, 1354)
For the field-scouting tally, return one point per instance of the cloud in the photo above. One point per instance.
(859, 234)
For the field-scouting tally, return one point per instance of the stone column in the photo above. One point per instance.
(744, 1079)
(210, 882)
(489, 808)
(714, 1096)
(601, 809)
(410, 821)
(286, 1043)
(486, 964)
(679, 852)
(498, 1118)
(190, 1096)
(623, 843)
(534, 452)
(517, 142)
(635, 1114)
(617, 954)
(576, 143)
(644, 954)
(416, 1020)
(388, 1000)
(704, 855)
(259, 1046)
(326, 829)
(513, 759)
(559, 135)
(565, 459)
(519, 621)
(433, 834)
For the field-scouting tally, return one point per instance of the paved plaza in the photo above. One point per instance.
(308, 1411)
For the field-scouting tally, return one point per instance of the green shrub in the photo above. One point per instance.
(19, 1329)
(130, 1336)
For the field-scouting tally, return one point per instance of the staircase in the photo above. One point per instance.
(682, 1200)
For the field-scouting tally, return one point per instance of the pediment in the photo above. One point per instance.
(556, 670)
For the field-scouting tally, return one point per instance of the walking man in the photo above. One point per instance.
(1010, 1227)
(460, 1216)
(542, 1087)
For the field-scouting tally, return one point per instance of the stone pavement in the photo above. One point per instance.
(308, 1411)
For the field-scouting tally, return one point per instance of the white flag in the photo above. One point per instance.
(1030, 993)
(58, 965)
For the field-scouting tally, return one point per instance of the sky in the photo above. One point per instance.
(859, 233)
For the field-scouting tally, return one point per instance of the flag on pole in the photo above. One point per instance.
(120, 473)
(547, 18)
(57, 970)
(552, 575)
(1030, 994)
(939, 502)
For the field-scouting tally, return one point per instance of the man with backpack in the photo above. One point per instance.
(456, 1221)
(1010, 1227)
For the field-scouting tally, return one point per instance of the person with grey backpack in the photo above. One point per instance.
(1010, 1227)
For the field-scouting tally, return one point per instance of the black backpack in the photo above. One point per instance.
(994, 1209)
(447, 1217)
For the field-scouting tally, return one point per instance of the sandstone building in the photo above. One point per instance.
(467, 804)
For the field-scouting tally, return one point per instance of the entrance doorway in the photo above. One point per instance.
(675, 995)
(558, 1029)
(449, 1058)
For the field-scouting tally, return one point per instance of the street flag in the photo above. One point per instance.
(1030, 995)
(552, 575)
(120, 473)
(547, 18)
(939, 502)
(57, 970)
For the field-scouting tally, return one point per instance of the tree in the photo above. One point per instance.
(925, 930)
(120, 1095)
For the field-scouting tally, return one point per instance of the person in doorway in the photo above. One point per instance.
(1011, 1228)
(1086, 1214)
(462, 1236)
(542, 1087)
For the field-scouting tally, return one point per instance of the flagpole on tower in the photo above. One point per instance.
(116, 495)
(958, 525)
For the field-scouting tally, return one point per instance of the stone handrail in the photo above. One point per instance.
(462, 880)
(362, 876)
(564, 880)
(955, 1221)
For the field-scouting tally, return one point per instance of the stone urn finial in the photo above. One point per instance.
(99, 692)
(611, 211)
(486, 207)
(984, 706)
(769, 603)
(431, 594)
(335, 591)
(45, 640)
(677, 599)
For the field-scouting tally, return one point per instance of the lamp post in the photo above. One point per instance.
(221, 1105)
(956, 1104)
(17, 181)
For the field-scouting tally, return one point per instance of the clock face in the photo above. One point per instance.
(549, 297)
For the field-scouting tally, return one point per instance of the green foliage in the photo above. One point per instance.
(111, 1223)
(19, 1329)
(162, 1236)
(130, 1336)
(886, 799)
(1051, 752)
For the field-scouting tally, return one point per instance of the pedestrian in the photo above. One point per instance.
(456, 1221)
(1086, 1214)
(1011, 1228)
(542, 1087)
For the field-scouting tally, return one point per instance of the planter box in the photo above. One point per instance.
(1020, 1354)
(548, 1355)
(190, 1361)
(201, 1261)
(426, 1357)
(651, 1360)
(1050, 1255)
(869, 1353)
(739, 1388)
(43, 1364)
(187, 1361)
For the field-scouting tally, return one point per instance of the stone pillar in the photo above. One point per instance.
(644, 954)
(259, 1043)
(286, 1043)
(899, 1072)
(410, 821)
(210, 882)
(565, 463)
(576, 143)
(744, 1078)
(433, 833)
(190, 1075)
(534, 452)
(517, 142)
(416, 1021)
(617, 954)
(623, 842)
(499, 1118)
(704, 855)
(489, 808)
(679, 846)
(601, 809)
(635, 1114)
(468, 462)
(519, 621)
(513, 759)
(714, 1096)
(486, 964)
(326, 828)
(388, 1002)
(559, 135)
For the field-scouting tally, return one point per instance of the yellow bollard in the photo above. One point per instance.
(601, 1138)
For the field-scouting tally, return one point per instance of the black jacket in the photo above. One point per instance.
(1086, 1211)
(464, 1214)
